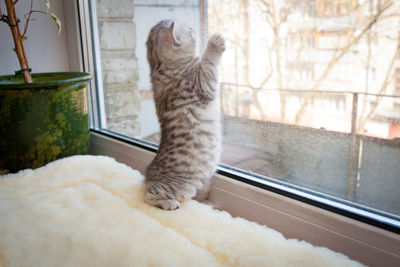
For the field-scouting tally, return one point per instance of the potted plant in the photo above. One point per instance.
(43, 116)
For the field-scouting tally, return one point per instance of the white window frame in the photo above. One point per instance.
(294, 218)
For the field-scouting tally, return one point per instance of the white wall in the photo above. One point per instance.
(46, 51)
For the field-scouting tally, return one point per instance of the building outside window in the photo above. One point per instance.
(309, 88)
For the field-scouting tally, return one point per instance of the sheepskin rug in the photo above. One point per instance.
(89, 211)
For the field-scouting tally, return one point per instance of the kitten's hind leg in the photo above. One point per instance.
(203, 194)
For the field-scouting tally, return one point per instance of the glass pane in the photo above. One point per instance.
(310, 96)
(123, 27)
(310, 90)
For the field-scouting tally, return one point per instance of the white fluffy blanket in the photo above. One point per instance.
(88, 211)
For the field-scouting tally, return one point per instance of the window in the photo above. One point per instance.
(335, 7)
(307, 98)
(123, 27)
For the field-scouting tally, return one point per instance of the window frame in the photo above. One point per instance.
(365, 234)
(89, 53)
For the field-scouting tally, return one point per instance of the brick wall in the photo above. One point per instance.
(117, 35)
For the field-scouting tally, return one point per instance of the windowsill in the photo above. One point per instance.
(294, 219)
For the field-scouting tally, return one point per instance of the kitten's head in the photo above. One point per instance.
(169, 41)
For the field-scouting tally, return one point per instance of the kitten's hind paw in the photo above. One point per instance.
(165, 204)
(168, 204)
(160, 199)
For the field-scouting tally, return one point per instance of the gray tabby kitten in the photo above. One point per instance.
(185, 93)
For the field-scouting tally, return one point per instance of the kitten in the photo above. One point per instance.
(185, 94)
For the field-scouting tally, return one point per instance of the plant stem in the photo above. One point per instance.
(19, 47)
(21, 38)
(27, 20)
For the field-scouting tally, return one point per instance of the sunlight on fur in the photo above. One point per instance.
(89, 211)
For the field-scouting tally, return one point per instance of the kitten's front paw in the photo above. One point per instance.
(217, 42)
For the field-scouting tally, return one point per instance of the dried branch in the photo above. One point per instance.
(27, 20)
(19, 48)
(368, 62)
(235, 42)
(267, 78)
(276, 23)
(384, 86)
(343, 51)
(21, 40)
(13, 22)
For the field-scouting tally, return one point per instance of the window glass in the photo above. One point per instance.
(309, 88)
(123, 27)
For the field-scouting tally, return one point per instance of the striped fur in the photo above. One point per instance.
(185, 93)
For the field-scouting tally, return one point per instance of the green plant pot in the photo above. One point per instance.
(44, 120)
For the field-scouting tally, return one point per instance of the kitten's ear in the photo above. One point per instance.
(171, 36)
